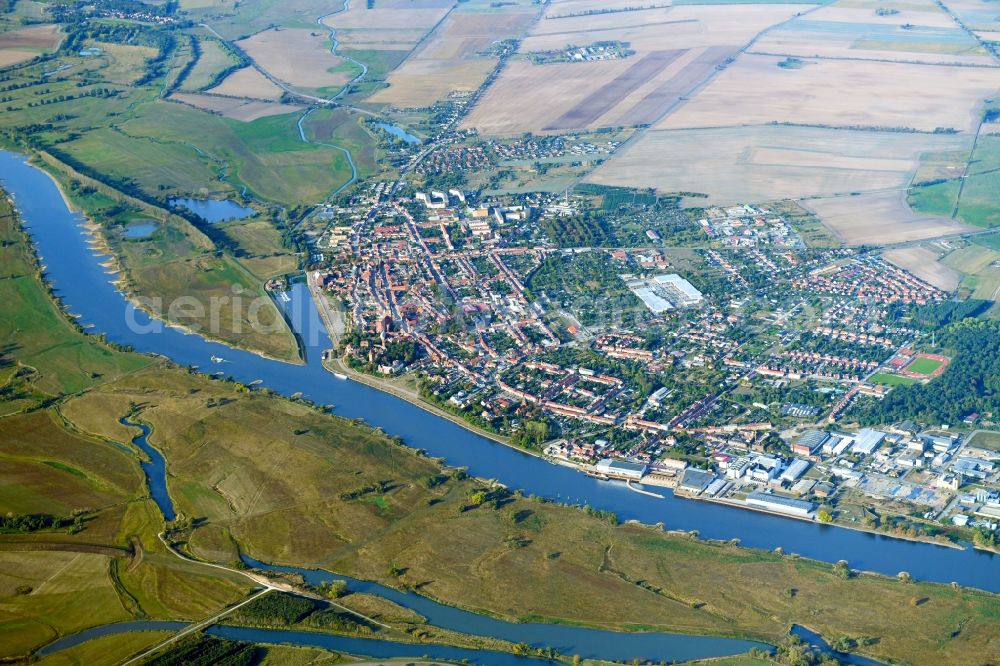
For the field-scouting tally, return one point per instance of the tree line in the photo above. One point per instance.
(970, 384)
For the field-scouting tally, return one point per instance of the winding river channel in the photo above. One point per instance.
(76, 273)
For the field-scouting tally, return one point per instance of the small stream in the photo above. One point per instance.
(364, 72)
(345, 151)
(155, 469)
(76, 274)
(568, 640)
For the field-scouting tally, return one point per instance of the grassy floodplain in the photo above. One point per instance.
(95, 111)
(286, 483)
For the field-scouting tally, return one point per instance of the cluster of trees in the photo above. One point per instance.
(970, 384)
(275, 610)
(804, 394)
(532, 433)
(492, 499)
(794, 652)
(203, 650)
(445, 181)
(34, 522)
(609, 517)
(985, 538)
(131, 34)
(607, 10)
(934, 316)
(195, 57)
(379, 488)
(822, 344)
(472, 414)
(590, 284)
(95, 92)
(242, 61)
(331, 619)
(585, 229)
(406, 351)
(156, 67)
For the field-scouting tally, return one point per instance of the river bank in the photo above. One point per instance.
(83, 287)
(275, 378)
(856, 528)
(116, 268)
(337, 365)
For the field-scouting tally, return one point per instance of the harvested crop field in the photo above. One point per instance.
(26, 43)
(766, 163)
(676, 50)
(599, 102)
(917, 33)
(919, 13)
(298, 57)
(388, 25)
(755, 90)
(421, 83)
(880, 218)
(41, 37)
(679, 27)
(628, 91)
(979, 15)
(247, 82)
(464, 34)
(13, 56)
(925, 265)
(654, 103)
(452, 58)
(235, 108)
(31, 568)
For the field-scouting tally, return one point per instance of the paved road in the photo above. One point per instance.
(196, 626)
(268, 586)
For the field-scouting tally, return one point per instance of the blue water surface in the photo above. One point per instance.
(214, 210)
(75, 272)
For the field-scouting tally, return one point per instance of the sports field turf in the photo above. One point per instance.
(887, 379)
(924, 366)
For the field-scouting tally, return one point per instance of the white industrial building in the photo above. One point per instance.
(795, 470)
(737, 467)
(620, 469)
(665, 292)
(781, 504)
(867, 441)
(658, 395)
(837, 444)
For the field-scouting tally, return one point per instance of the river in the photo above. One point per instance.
(75, 272)
(588, 643)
